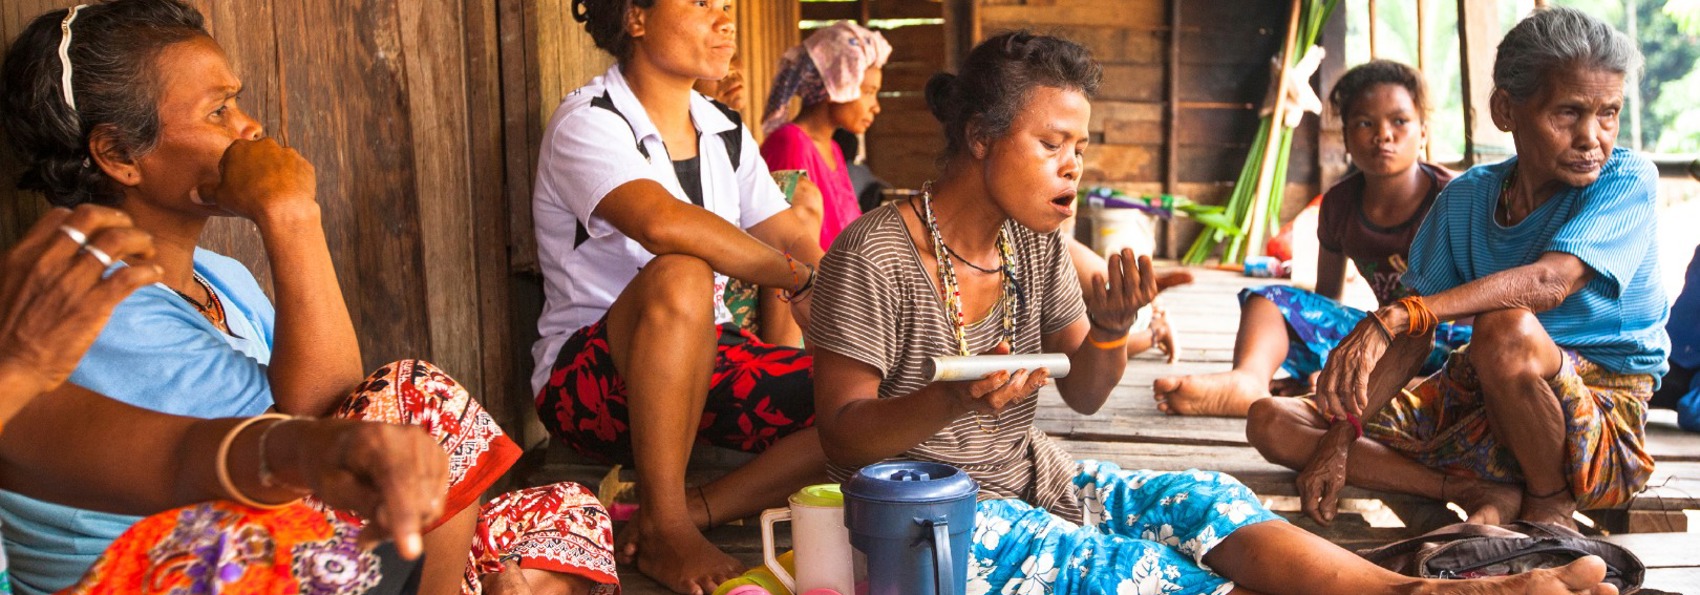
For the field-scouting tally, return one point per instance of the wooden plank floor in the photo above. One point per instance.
(1132, 433)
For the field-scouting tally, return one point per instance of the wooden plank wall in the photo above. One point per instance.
(1225, 52)
(393, 107)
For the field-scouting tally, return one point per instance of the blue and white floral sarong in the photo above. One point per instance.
(1317, 325)
(1146, 534)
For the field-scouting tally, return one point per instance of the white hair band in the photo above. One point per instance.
(65, 55)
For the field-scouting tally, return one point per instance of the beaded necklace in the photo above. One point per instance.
(953, 291)
(213, 309)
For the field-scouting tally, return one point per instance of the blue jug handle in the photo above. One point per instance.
(942, 566)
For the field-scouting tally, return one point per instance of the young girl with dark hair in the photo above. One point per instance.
(976, 265)
(648, 198)
(1370, 217)
(131, 103)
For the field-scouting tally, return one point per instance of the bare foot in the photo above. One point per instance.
(1581, 577)
(1487, 502)
(1556, 509)
(1226, 394)
(677, 556)
(513, 580)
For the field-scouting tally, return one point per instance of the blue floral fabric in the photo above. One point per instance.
(1146, 534)
(1317, 325)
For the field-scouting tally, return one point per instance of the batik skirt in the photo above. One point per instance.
(1442, 424)
(220, 548)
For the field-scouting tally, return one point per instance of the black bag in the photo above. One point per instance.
(1466, 550)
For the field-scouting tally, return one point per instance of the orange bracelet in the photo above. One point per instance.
(1106, 345)
(1422, 320)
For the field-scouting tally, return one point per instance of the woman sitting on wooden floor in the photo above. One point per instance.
(83, 449)
(130, 103)
(889, 296)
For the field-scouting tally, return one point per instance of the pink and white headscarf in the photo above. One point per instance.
(828, 66)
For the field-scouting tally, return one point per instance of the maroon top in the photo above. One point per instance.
(1379, 252)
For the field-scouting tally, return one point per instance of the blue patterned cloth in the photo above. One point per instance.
(1147, 533)
(1317, 325)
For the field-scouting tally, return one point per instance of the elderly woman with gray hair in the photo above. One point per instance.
(1551, 253)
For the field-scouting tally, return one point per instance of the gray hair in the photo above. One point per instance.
(1556, 38)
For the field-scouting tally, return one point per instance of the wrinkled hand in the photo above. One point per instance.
(393, 476)
(1115, 303)
(261, 176)
(1342, 388)
(53, 301)
(1320, 484)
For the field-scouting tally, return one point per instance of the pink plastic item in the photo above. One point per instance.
(749, 590)
(822, 591)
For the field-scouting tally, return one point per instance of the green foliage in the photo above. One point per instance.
(1686, 15)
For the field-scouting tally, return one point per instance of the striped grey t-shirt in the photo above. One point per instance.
(875, 304)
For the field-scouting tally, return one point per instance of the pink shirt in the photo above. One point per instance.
(791, 148)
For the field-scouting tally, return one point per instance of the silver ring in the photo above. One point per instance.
(98, 254)
(77, 235)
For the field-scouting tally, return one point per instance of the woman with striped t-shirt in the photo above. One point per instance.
(977, 265)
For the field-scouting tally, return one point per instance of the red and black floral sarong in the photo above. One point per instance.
(758, 393)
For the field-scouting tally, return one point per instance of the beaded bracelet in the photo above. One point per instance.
(223, 463)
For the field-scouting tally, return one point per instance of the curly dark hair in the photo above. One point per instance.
(114, 45)
(1369, 75)
(997, 78)
(605, 21)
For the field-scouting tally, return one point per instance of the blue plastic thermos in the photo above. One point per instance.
(911, 524)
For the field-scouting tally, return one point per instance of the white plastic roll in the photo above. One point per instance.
(975, 367)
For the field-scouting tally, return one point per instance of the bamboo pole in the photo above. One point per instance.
(1253, 234)
(1373, 54)
(1422, 62)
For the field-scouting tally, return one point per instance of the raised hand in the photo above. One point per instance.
(260, 178)
(54, 300)
(1112, 304)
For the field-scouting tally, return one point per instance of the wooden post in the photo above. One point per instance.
(1633, 86)
(961, 31)
(1422, 60)
(1478, 34)
(1172, 137)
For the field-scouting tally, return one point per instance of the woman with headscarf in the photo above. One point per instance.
(1552, 253)
(836, 73)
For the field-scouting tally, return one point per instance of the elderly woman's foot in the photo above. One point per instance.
(675, 555)
(1486, 502)
(1226, 394)
(1558, 509)
(1581, 577)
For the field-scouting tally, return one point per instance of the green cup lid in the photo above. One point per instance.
(825, 495)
